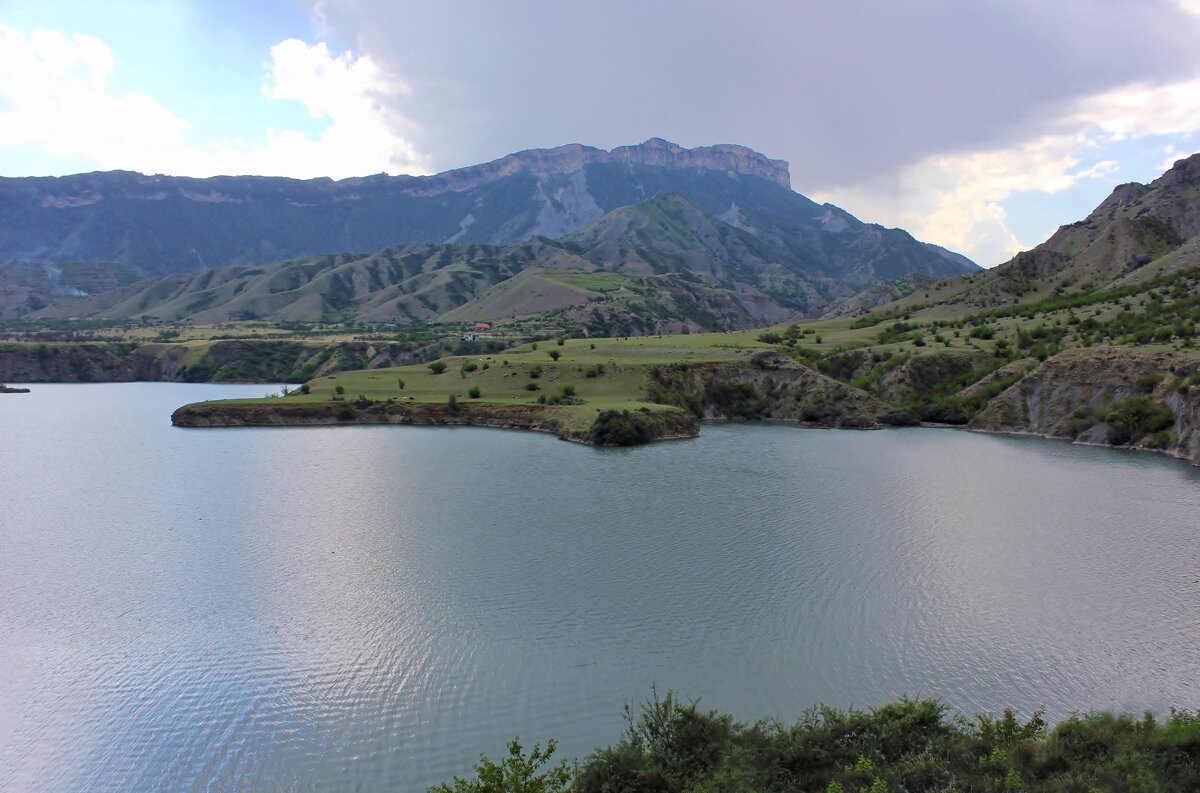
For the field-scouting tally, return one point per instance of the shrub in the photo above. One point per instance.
(517, 772)
(1149, 382)
(339, 390)
(898, 417)
(554, 355)
(437, 367)
(1133, 418)
(534, 373)
(452, 405)
(400, 383)
(620, 428)
(473, 392)
(469, 366)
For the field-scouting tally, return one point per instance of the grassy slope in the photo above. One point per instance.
(620, 386)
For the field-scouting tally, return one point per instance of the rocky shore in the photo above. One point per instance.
(663, 425)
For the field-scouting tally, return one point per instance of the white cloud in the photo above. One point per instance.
(1141, 110)
(55, 96)
(351, 95)
(955, 200)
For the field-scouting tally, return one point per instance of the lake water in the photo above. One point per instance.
(369, 608)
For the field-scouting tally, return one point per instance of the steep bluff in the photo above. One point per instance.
(78, 190)
(1106, 396)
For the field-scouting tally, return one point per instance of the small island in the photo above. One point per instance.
(4, 389)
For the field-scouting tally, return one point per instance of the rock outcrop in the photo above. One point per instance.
(1106, 396)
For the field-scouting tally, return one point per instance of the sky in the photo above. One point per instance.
(981, 126)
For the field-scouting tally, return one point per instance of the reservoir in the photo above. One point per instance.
(370, 608)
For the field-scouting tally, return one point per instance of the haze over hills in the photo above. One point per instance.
(660, 265)
(706, 238)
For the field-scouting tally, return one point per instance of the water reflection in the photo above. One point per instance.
(373, 607)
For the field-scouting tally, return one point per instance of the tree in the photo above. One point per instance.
(437, 367)
(554, 355)
(516, 774)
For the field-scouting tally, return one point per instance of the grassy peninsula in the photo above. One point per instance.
(1115, 366)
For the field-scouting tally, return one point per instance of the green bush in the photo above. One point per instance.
(1133, 418)
(515, 774)
(621, 428)
(473, 392)
(437, 367)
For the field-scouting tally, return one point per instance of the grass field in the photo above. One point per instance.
(603, 373)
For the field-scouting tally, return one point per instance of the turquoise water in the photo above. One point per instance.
(370, 608)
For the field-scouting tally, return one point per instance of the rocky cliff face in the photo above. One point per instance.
(1106, 396)
(770, 386)
(92, 188)
(575, 157)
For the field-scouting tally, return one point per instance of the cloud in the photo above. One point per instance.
(55, 97)
(354, 96)
(955, 199)
(925, 113)
(844, 91)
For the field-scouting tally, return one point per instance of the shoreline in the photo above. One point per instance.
(529, 418)
(665, 425)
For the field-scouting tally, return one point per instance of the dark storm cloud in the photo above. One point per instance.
(845, 91)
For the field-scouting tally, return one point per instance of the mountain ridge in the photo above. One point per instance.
(162, 224)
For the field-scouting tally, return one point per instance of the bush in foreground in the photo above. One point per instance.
(910, 745)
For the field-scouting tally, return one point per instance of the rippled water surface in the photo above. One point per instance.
(370, 608)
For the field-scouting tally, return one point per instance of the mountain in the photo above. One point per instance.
(164, 224)
(661, 265)
(27, 286)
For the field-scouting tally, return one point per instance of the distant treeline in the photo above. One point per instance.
(672, 746)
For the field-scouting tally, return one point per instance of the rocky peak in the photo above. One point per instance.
(721, 157)
(573, 157)
(1185, 171)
